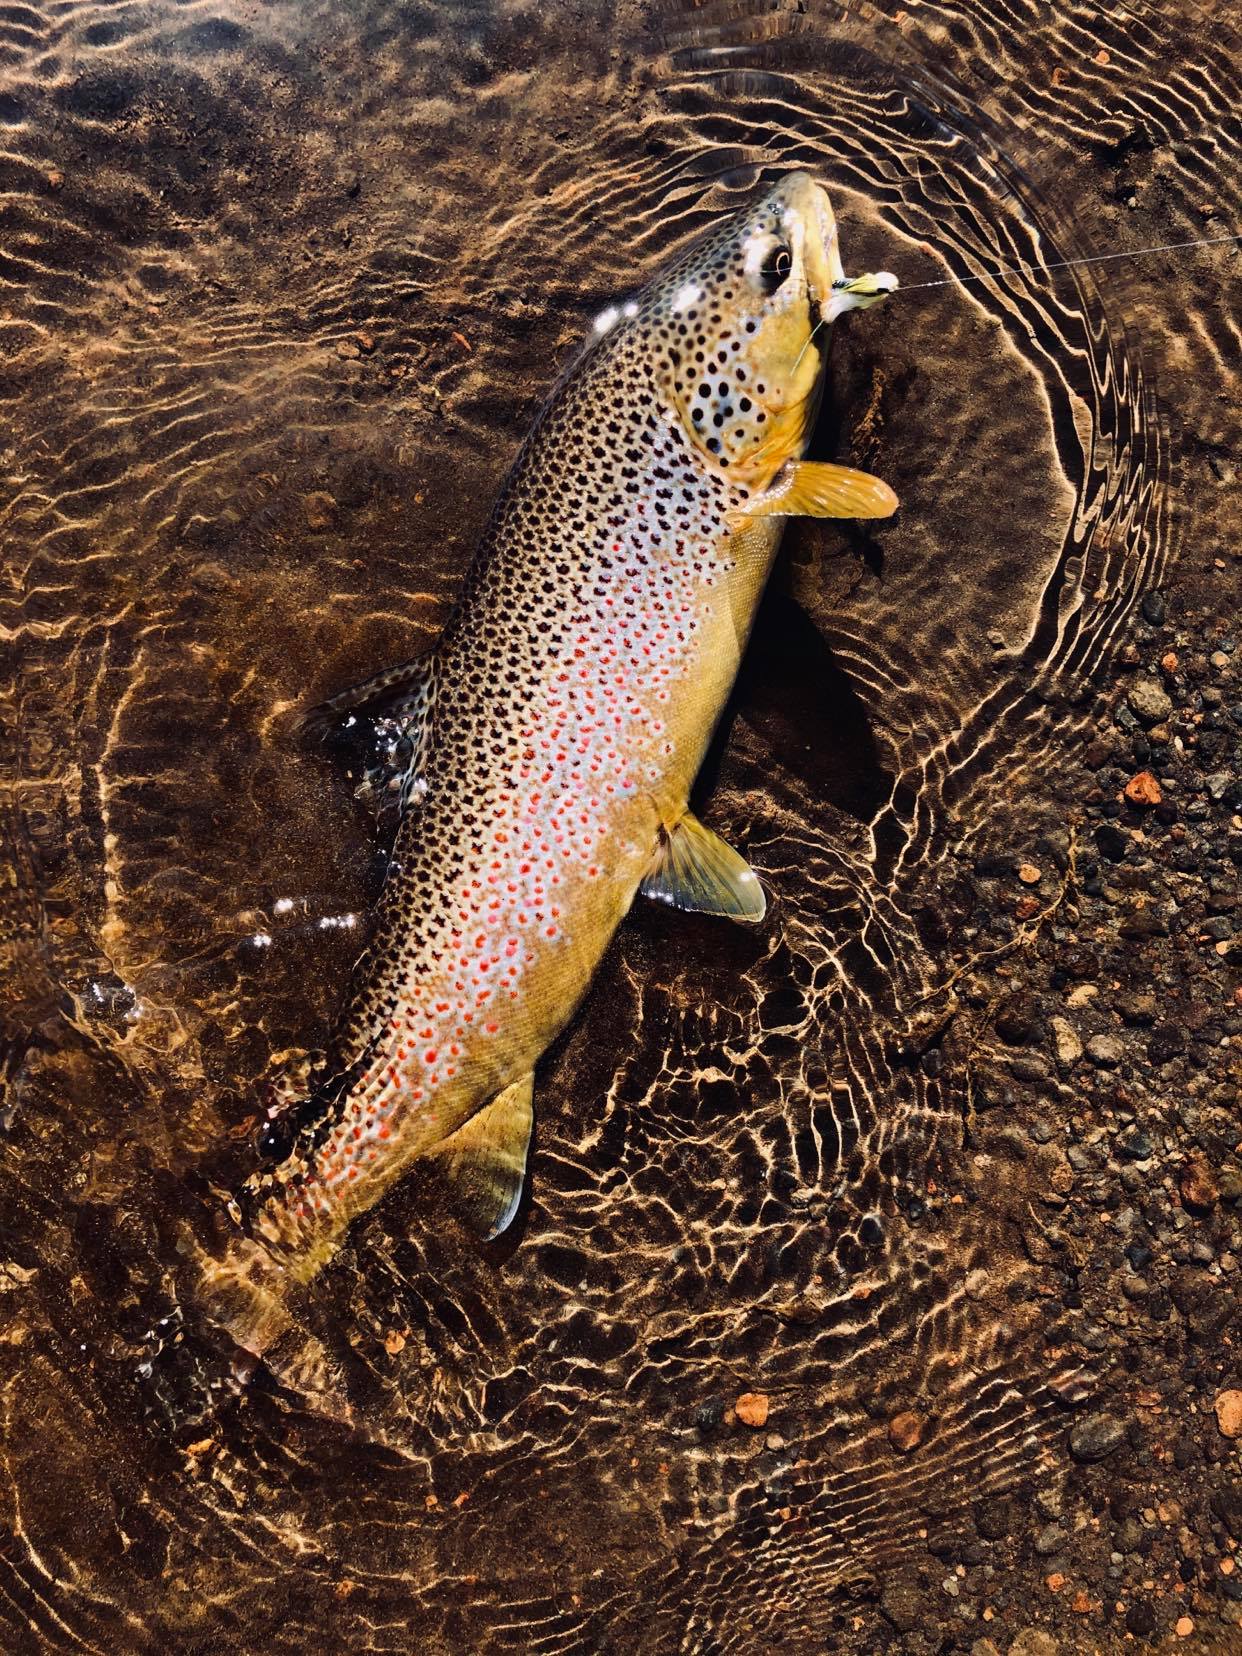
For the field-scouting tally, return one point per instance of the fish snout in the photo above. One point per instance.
(810, 210)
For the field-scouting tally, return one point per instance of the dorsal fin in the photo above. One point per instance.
(485, 1159)
(387, 719)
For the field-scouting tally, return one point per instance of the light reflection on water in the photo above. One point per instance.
(289, 285)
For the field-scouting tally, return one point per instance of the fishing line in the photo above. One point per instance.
(1061, 264)
(820, 324)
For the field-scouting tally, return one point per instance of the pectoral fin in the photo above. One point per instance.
(485, 1159)
(694, 869)
(813, 488)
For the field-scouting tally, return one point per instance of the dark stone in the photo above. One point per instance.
(1135, 1146)
(1154, 608)
(1226, 1504)
(1206, 1304)
(1113, 842)
(709, 1414)
(944, 1543)
(1096, 1437)
(1141, 1619)
(902, 1605)
(1185, 1453)
(1079, 963)
(1016, 1021)
(1166, 1042)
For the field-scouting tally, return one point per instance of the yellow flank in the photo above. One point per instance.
(548, 745)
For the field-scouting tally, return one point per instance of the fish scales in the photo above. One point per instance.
(563, 716)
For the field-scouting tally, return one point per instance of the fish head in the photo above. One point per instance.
(740, 323)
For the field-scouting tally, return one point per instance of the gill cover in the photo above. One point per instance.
(742, 364)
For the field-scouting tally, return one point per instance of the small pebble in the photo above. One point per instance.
(1065, 1041)
(901, 1605)
(1228, 1408)
(1148, 702)
(320, 510)
(1105, 1051)
(905, 1431)
(1050, 1540)
(1096, 1437)
(751, 1409)
(1197, 1185)
(1034, 1641)
(1143, 789)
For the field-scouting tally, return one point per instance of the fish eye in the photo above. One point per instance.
(775, 268)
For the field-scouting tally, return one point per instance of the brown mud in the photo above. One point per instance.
(878, 1286)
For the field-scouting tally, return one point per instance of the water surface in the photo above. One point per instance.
(285, 285)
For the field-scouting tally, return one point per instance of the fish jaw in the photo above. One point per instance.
(812, 222)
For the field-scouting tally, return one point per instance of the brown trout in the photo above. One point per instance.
(551, 738)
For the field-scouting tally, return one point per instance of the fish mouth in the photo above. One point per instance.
(808, 203)
(829, 291)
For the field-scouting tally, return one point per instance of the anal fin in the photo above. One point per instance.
(815, 488)
(694, 869)
(485, 1159)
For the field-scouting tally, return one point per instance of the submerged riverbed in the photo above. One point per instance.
(879, 1264)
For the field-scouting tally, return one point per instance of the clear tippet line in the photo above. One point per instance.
(1064, 264)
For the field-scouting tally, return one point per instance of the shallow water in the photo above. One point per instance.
(285, 286)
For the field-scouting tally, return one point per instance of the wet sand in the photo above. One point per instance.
(943, 1160)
